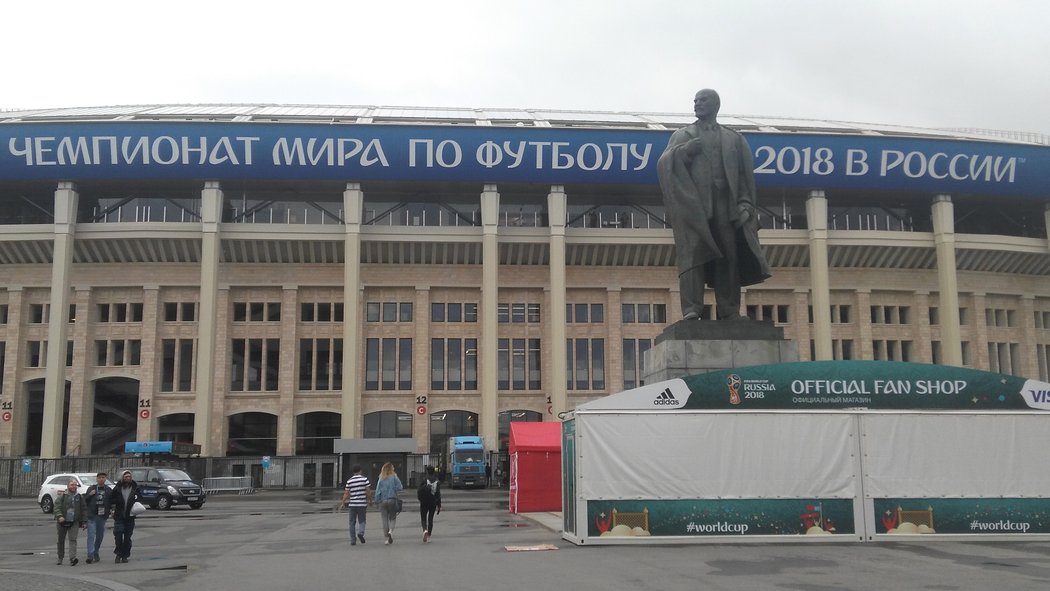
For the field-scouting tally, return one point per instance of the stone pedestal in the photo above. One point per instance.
(698, 346)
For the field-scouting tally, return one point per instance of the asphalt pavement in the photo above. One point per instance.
(295, 540)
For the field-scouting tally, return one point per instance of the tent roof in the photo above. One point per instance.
(526, 436)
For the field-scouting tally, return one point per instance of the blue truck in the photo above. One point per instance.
(466, 461)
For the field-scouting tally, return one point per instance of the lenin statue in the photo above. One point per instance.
(707, 180)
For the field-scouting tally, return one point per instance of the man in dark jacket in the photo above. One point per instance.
(70, 513)
(123, 497)
(98, 501)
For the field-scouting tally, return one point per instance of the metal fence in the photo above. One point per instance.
(282, 473)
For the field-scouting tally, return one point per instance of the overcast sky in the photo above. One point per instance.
(929, 63)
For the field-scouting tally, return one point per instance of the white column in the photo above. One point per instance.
(557, 205)
(820, 294)
(488, 420)
(943, 213)
(211, 215)
(353, 204)
(66, 198)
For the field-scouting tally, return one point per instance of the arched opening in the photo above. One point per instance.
(450, 423)
(115, 418)
(252, 434)
(35, 418)
(315, 432)
(176, 427)
(386, 424)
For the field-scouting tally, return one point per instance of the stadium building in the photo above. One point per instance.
(262, 280)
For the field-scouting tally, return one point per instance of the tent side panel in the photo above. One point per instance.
(711, 455)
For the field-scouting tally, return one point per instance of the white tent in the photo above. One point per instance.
(665, 463)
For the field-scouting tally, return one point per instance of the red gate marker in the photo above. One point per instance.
(144, 413)
(6, 416)
(421, 410)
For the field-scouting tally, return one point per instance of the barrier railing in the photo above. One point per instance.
(240, 484)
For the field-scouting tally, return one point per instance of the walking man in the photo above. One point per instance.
(356, 497)
(124, 497)
(70, 512)
(98, 502)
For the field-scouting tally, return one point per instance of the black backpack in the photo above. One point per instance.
(424, 493)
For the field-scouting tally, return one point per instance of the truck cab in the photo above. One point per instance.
(466, 461)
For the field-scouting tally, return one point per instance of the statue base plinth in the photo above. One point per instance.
(689, 347)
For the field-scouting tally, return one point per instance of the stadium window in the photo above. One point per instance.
(36, 353)
(38, 313)
(580, 313)
(388, 364)
(533, 313)
(254, 364)
(372, 310)
(585, 364)
(176, 363)
(101, 353)
(633, 356)
(627, 313)
(324, 312)
(643, 314)
(597, 313)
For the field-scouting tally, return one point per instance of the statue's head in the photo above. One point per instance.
(706, 104)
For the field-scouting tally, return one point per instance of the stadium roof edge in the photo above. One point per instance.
(375, 114)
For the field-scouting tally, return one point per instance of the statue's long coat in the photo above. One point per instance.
(687, 197)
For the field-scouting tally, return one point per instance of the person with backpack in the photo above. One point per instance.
(429, 495)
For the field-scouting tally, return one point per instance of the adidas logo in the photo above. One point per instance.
(665, 398)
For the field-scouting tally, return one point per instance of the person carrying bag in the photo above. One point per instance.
(387, 500)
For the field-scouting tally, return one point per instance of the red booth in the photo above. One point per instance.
(535, 467)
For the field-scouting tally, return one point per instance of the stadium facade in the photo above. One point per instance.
(263, 279)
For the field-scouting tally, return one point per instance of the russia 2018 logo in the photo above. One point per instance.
(733, 382)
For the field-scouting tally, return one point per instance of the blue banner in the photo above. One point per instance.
(360, 152)
(140, 447)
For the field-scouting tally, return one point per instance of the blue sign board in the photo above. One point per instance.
(140, 447)
(27, 465)
(365, 152)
